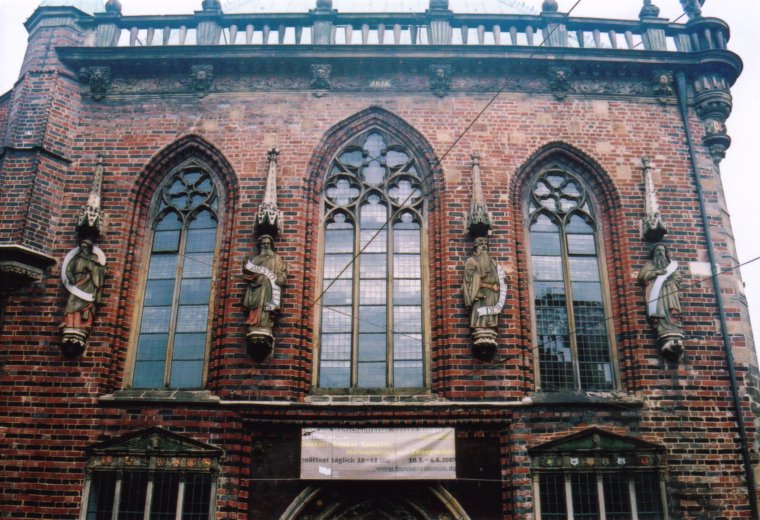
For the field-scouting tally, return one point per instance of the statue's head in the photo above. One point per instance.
(266, 243)
(86, 245)
(481, 244)
(660, 255)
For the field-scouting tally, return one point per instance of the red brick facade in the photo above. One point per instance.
(52, 409)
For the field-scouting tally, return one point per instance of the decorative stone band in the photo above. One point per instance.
(654, 296)
(258, 269)
(496, 309)
(70, 286)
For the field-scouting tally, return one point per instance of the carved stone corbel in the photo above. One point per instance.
(440, 79)
(713, 103)
(201, 79)
(559, 81)
(321, 78)
(99, 80)
(663, 85)
(653, 227)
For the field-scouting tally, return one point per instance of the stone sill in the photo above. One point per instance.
(133, 395)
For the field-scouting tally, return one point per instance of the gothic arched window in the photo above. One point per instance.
(174, 321)
(569, 295)
(371, 332)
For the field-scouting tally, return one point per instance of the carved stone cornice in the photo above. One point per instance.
(21, 266)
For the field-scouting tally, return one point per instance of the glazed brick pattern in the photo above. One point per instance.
(50, 410)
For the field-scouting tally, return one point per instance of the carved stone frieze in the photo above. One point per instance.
(440, 79)
(663, 85)
(559, 81)
(321, 77)
(201, 79)
(99, 80)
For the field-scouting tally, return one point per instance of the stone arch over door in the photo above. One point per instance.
(375, 501)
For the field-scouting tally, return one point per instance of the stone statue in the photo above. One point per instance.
(663, 284)
(83, 274)
(484, 293)
(265, 274)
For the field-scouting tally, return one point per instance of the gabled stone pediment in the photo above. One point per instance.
(598, 448)
(154, 441)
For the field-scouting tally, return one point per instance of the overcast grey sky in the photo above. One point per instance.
(741, 180)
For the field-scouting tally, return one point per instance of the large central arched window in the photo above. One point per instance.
(174, 323)
(371, 332)
(569, 296)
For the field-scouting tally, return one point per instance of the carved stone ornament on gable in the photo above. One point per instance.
(99, 80)
(201, 79)
(663, 85)
(321, 77)
(154, 449)
(440, 79)
(559, 81)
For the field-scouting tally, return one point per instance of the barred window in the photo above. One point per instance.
(150, 475)
(600, 496)
(371, 331)
(569, 299)
(174, 320)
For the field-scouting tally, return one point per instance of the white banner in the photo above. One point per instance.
(378, 454)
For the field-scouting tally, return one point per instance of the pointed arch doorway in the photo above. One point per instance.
(375, 501)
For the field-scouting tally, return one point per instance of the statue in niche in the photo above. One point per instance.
(265, 274)
(663, 285)
(83, 274)
(484, 292)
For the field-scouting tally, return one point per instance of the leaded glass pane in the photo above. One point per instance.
(149, 374)
(339, 241)
(394, 158)
(201, 240)
(407, 292)
(155, 319)
(372, 347)
(373, 241)
(617, 501)
(166, 241)
(374, 214)
(198, 265)
(335, 374)
(192, 318)
(336, 319)
(134, 487)
(584, 269)
(578, 225)
(372, 375)
(336, 346)
(648, 500)
(545, 244)
(186, 374)
(338, 292)
(585, 496)
(163, 506)
(159, 293)
(581, 244)
(189, 346)
(373, 266)
(335, 265)
(547, 268)
(162, 267)
(407, 319)
(100, 503)
(196, 503)
(407, 346)
(552, 492)
(372, 319)
(407, 266)
(407, 374)
(170, 221)
(195, 291)
(406, 240)
(372, 292)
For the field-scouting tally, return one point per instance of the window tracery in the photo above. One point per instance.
(371, 332)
